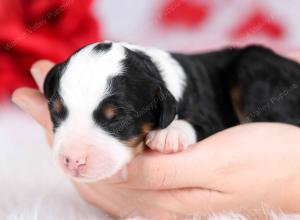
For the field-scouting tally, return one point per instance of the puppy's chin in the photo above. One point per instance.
(118, 168)
(91, 162)
(86, 179)
(97, 174)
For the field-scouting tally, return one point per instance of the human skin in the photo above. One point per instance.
(248, 169)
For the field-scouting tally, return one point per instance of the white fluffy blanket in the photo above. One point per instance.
(31, 188)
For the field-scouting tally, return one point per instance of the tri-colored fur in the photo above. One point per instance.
(108, 98)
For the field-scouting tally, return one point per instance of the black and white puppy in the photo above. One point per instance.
(108, 99)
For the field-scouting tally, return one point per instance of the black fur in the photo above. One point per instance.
(268, 88)
(51, 91)
(51, 84)
(140, 96)
(102, 47)
(258, 75)
(206, 103)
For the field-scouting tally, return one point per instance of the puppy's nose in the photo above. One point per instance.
(74, 163)
(86, 161)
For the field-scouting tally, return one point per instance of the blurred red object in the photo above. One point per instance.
(40, 29)
(184, 12)
(259, 23)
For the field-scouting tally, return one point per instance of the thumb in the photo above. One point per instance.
(34, 103)
(39, 71)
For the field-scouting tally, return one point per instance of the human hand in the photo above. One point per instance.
(239, 169)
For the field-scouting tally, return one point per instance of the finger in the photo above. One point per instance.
(209, 163)
(34, 103)
(191, 168)
(39, 71)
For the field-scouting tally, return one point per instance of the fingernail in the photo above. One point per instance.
(35, 72)
(37, 76)
(148, 141)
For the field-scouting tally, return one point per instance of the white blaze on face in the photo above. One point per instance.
(82, 148)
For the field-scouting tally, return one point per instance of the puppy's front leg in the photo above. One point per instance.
(176, 137)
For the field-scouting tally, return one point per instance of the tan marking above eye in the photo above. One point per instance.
(109, 111)
(235, 94)
(57, 105)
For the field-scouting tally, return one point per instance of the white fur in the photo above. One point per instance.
(168, 140)
(84, 82)
(83, 85)
(187, 129)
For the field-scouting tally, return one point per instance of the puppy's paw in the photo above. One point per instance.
(177, 137)
(168, 140)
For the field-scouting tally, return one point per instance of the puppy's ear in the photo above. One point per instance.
(167, 106)
(51, 82)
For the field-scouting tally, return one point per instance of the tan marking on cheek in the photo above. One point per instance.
(109, 111)
(236, 102)
(139, 148)
(146, 128)
(132, 142)
(57, 105)
(136, 144)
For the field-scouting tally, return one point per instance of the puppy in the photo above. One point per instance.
(108, 99)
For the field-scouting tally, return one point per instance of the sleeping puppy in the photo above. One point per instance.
(109, 100)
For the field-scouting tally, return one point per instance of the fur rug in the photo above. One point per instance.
(33, 189)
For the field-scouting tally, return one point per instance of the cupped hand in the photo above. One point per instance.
(248, 168)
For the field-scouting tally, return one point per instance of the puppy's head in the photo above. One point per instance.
(103, 100)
